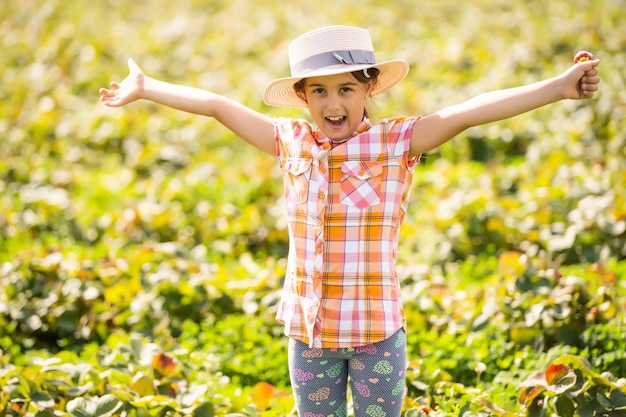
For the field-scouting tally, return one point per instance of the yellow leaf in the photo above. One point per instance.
(261, 394)
(512, 264)
(142, 385)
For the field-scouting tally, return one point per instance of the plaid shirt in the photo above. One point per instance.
(345, 205)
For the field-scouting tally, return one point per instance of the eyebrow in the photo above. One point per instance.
(347, 84)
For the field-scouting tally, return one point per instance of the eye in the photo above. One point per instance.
(318, 90)
(346, 89)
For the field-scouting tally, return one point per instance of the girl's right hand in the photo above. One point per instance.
(129, 90)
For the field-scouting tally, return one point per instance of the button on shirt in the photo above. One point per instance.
(345, 204)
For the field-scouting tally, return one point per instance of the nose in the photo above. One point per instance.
(333, 102)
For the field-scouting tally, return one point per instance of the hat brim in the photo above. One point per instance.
(281, 93)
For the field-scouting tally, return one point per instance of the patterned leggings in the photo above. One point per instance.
(319, 378)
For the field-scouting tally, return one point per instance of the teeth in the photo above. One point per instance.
(335, 119)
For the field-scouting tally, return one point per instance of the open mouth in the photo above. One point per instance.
(336, 121)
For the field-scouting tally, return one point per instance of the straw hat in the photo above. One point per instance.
(331, 50)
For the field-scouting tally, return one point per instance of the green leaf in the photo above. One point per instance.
(22, 390)
(585, 411)
(192, 395)
(107, 405)
(79, 390)
(564, 406)
(81, 407)
(122, 395)
(42, 399)
(536, 410)
(524, 335)
(618, 398)
(603, 401)
(576, 362)
(204, 410)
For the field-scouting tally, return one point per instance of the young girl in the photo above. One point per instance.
(347, 183)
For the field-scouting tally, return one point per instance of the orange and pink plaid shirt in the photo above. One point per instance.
(345, 205)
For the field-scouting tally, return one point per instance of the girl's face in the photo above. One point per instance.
(336, 103)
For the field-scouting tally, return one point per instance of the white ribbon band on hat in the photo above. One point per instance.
(350, 57)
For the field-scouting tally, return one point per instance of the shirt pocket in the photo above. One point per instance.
(361, 183)
(297, 177)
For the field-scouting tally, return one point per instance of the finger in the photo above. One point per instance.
(110, 101)
(594, 79)
(591, 73)
(588, 94)
(115, 85)
(589, 87)
(107, 93)
(105, 99)
(589, 65)
(588, 90)
(132, 65)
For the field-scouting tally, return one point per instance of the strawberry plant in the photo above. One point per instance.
(569, 387)
(142, 251)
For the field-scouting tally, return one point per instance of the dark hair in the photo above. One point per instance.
(363, 76)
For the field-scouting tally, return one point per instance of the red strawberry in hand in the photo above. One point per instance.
(583, 56)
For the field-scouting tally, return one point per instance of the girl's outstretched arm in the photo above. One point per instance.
(253, 127)
(580, 81)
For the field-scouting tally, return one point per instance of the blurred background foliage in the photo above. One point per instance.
(147, 221)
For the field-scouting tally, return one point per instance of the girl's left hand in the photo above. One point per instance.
(582, 79)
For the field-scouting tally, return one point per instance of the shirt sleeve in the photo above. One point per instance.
(288, 133)
(410, 162)
(398, 140)
(278, 129)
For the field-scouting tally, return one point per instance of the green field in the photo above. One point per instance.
(142, 250)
